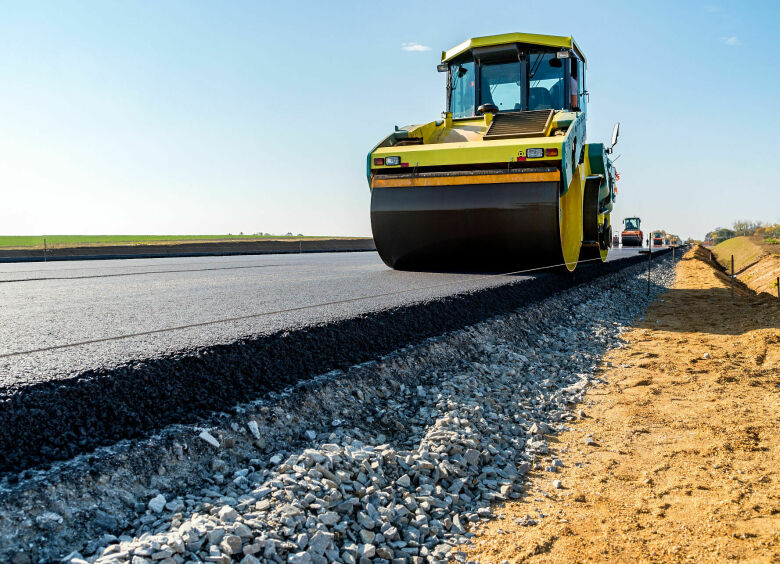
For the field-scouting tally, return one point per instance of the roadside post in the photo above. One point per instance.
(732, 277)
(44, 249)
(777, 283)
(649, 257)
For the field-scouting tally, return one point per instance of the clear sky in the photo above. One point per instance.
(214, 117)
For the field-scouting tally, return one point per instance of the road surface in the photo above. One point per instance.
(62, 303)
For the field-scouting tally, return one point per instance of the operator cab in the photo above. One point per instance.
(631, 223)
(515, 77)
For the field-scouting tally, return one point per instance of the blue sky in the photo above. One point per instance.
(217, 117)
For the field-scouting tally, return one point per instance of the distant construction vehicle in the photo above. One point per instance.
(658, 238)
(505, 178)
(632, 235)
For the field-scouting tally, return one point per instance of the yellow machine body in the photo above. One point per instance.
(494, 188)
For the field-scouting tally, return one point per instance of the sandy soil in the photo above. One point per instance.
(686, 460)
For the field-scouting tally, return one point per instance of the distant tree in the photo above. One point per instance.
(768, 230)
(745, 227)
(719, 235)
(289, 234)
(300, 234)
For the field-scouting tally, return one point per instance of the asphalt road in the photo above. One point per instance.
(60, 304)
(94, 353)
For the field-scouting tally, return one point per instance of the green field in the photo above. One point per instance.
(53, 241)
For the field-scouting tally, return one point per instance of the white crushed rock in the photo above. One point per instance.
(209, 438)
(157, 503)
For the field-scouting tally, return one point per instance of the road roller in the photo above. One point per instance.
(505, 180)
(632, 235)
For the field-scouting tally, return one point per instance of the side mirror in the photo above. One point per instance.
(443, 67)
(615, 134)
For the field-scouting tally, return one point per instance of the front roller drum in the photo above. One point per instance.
(631, 240)
(486, 225)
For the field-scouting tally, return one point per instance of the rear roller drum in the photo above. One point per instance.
(596, 230)
(459, 223)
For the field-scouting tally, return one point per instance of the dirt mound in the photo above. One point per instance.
(755, 263)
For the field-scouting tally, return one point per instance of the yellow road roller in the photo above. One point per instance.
(505, 180)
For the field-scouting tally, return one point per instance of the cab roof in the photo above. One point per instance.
(527, 38)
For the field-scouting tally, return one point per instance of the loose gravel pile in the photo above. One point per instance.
(400, 461)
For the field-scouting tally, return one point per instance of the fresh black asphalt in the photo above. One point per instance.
(59, 398)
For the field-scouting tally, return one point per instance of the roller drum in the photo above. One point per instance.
(482, 227)
(631, 240)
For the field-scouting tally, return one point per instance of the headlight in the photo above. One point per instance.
(534, 153)
(392, 161)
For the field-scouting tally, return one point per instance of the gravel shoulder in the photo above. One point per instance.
(676, 455)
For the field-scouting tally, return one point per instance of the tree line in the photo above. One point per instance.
(744, 227)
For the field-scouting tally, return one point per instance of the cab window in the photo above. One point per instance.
(546, 75)
(581, 85)
(501, 85)
(462, 89)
